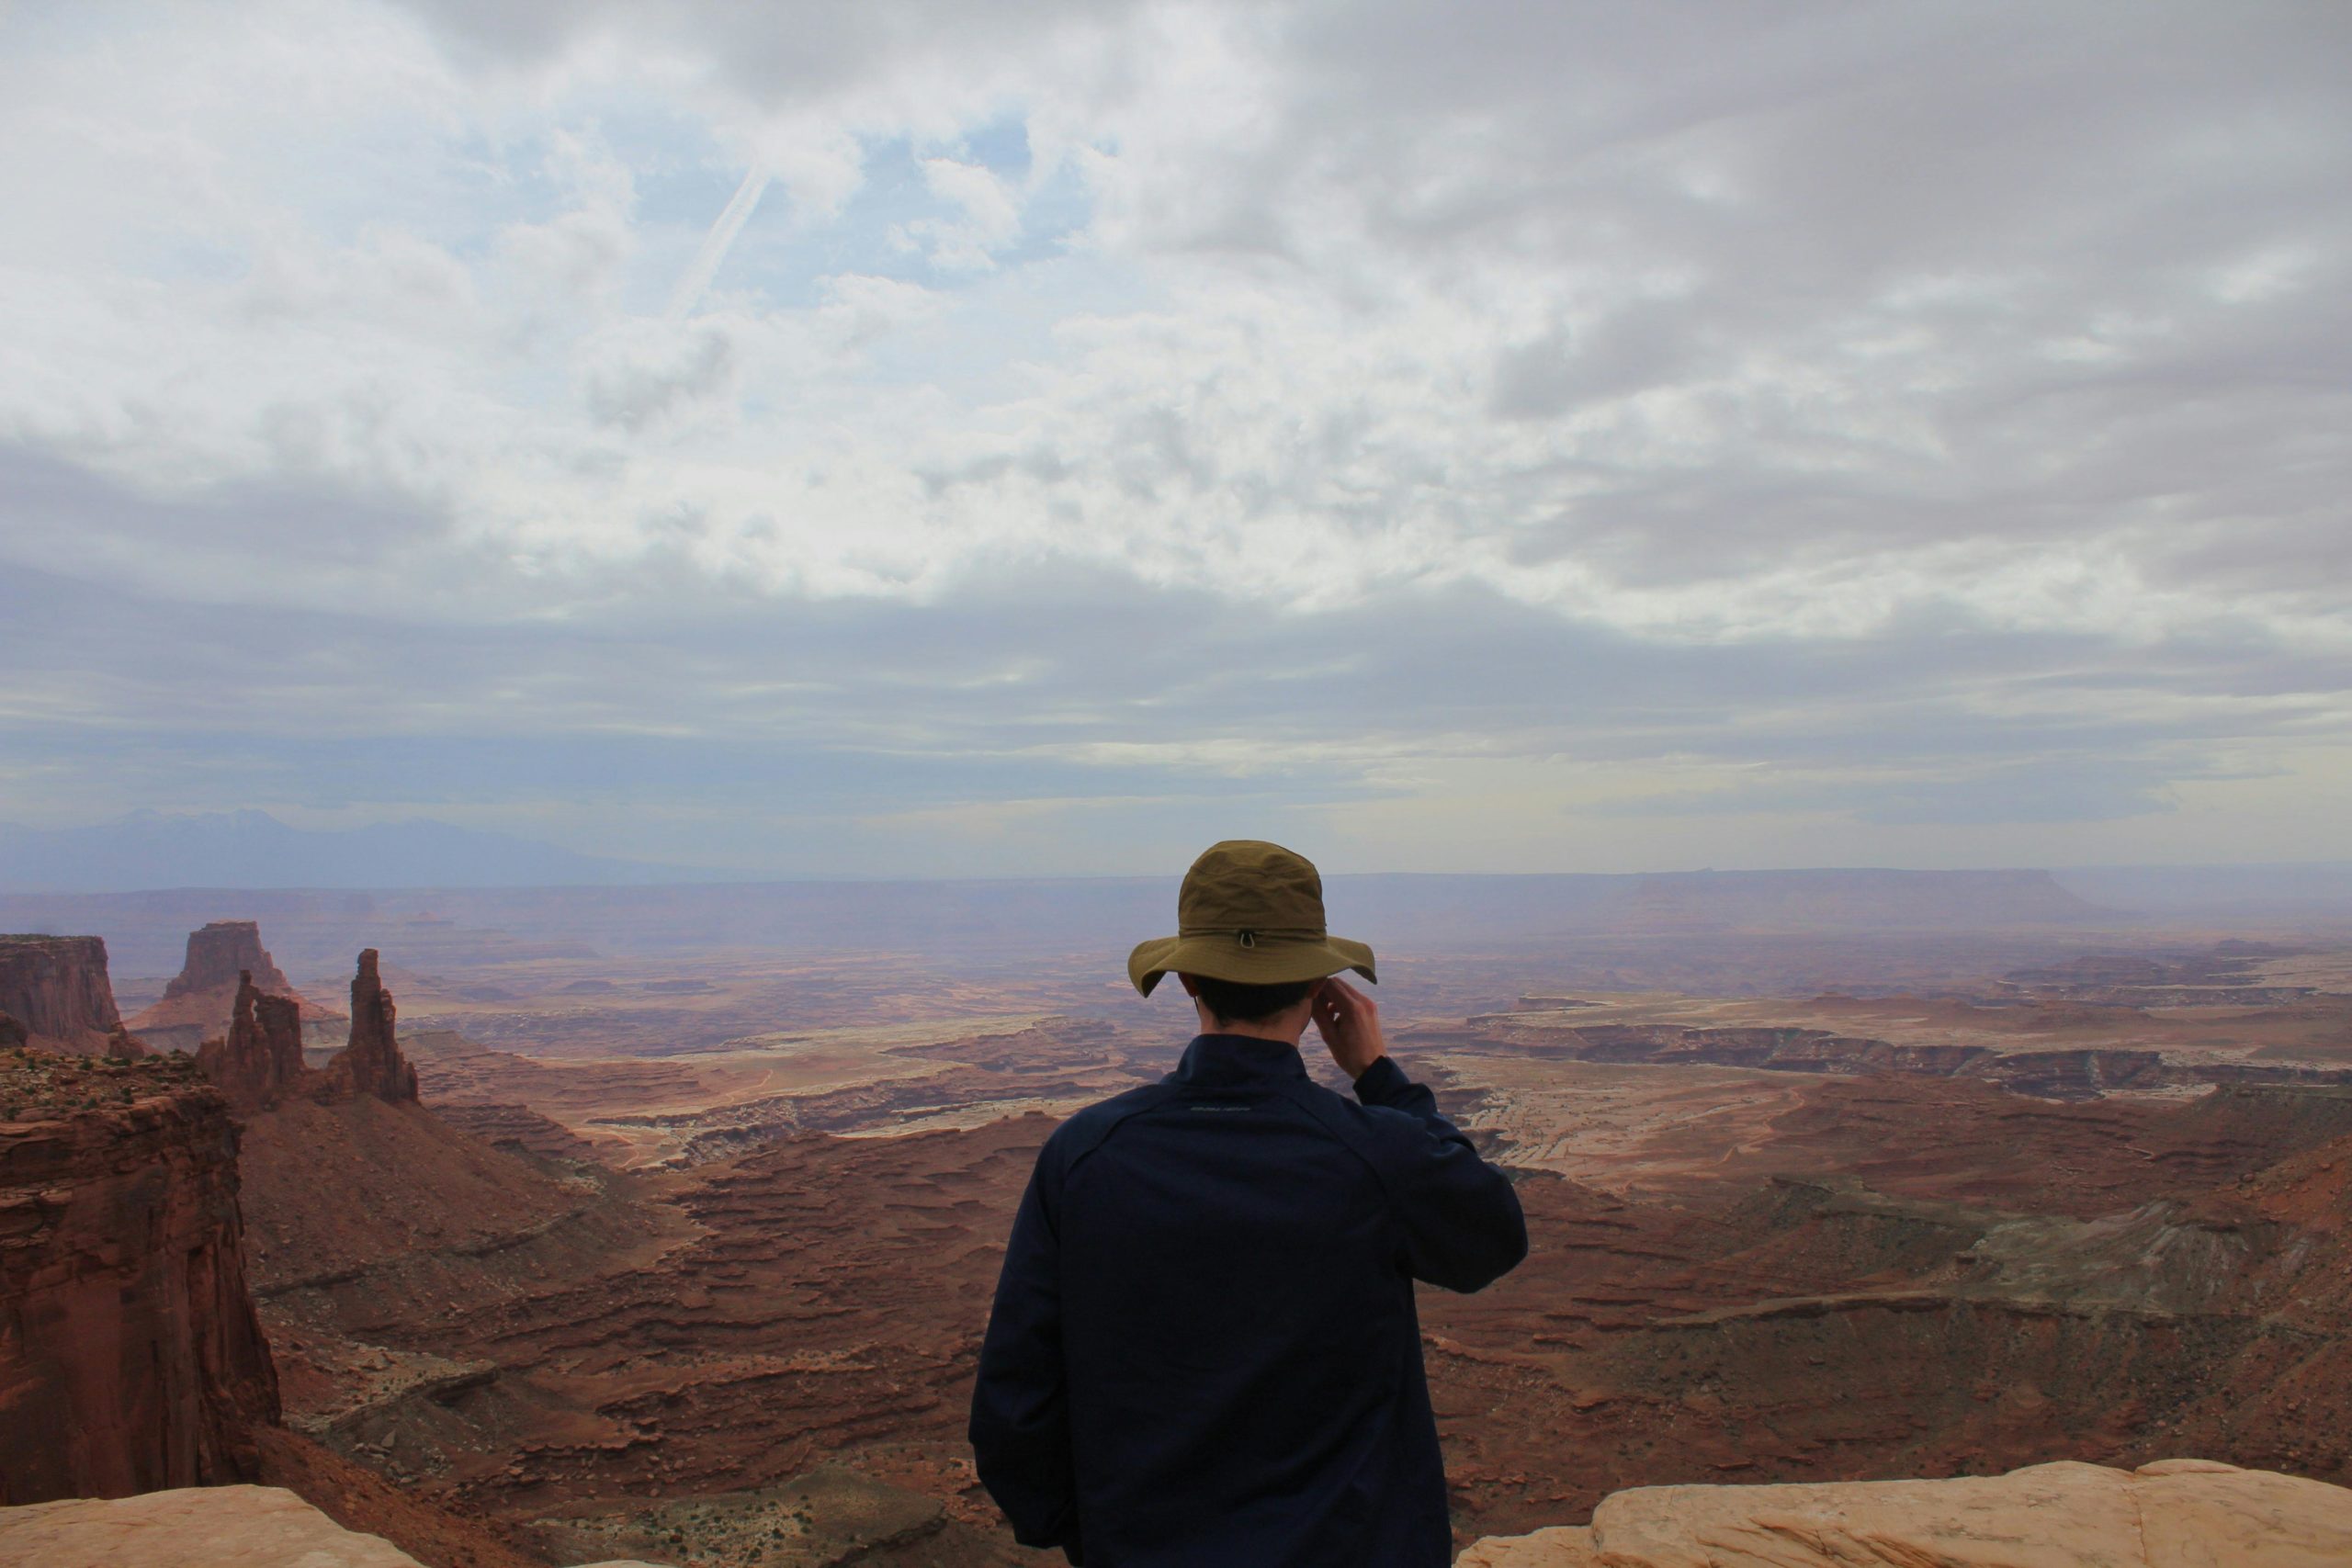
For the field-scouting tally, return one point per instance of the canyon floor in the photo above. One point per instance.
(687, 1258)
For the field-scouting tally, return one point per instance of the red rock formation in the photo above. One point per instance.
(130, 1357)
(201, 1002)
(372, 1063)
(262, 1055)
(220, 954)
(57, 988)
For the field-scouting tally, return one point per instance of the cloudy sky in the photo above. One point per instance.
(937, 438)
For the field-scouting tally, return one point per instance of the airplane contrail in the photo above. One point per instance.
(716, 243)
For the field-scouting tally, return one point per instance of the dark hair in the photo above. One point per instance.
(1230, 1001)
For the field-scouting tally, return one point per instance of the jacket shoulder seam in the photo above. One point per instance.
(1091, 1127)
(1332, 1119)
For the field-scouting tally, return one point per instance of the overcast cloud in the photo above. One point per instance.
(911, 438)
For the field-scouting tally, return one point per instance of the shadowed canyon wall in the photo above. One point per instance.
(130, 1356)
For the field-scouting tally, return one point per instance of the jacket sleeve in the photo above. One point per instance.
(1462, 1224)
(1020, 1429)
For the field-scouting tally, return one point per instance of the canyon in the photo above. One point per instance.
(569, 1263)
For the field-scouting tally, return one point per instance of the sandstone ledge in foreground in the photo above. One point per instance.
(198, 1527)
(2173, 1513)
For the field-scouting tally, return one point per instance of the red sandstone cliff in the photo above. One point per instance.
(262, 1055)
(371, 1063)
(130, 1357)
(57, 988)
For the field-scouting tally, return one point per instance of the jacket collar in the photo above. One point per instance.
(1234, 1061)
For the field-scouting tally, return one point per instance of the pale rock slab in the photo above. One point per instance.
(197, 1527)
(2172, 1514)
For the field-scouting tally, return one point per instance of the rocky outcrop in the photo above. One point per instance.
(2171, 1514)
(372, 1063)
(57, 988)
(254, 1527)
(130, 1357)
(200, 1003)
(221, 954)
(260, 1060)
(261, 1057)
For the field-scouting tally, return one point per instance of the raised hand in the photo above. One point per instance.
(1350, 1023)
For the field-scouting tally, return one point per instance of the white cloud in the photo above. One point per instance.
(1801, 328)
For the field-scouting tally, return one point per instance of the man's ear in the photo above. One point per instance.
(1192, 986)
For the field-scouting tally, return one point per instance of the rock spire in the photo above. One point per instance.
(372, 1063)
(262, 1055)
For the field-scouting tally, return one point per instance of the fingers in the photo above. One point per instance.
(1340, 1000)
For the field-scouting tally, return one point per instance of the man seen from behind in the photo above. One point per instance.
(1204, 1351)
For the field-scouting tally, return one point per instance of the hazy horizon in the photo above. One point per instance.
(148, 852)
(916, 440)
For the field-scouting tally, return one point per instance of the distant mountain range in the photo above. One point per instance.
(253, 849)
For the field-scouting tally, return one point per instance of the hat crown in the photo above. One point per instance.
(1248, 885)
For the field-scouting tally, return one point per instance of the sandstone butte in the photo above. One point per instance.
(253, 1526)
(2180, 1513)
(197, 1004)
(218, 954)
(56, 987)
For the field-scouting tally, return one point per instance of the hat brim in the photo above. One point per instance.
(1271, 962)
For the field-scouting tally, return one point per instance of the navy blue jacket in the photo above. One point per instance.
(1204, 1350)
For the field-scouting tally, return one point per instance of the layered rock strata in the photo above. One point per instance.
(2044, 1074)
(261, 1057)
(130, 1357)
(372, 1064)
(57, 988)
(2169, 1513)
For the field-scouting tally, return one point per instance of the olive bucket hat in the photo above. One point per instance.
(1249, 912)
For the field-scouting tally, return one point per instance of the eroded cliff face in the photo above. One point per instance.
(57, 988)
(130, 1357)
